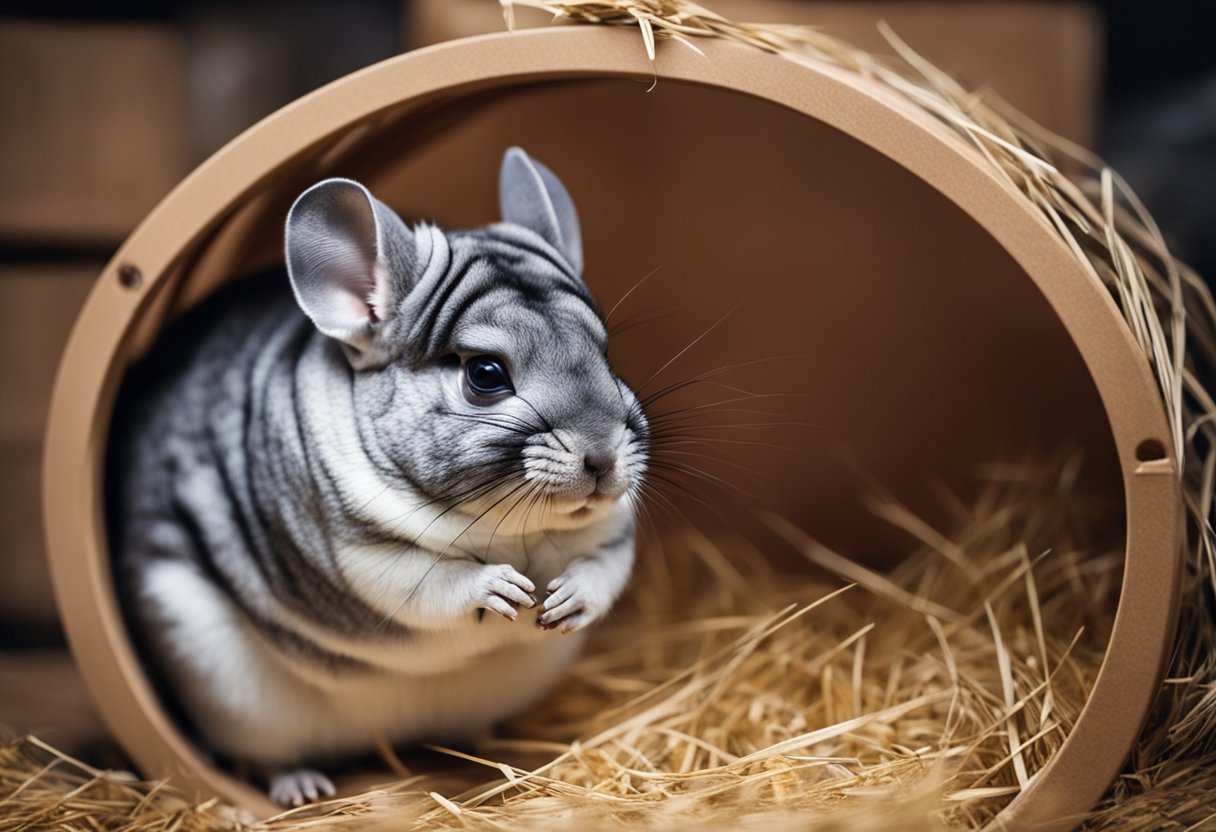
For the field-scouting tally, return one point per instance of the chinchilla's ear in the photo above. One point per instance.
(349, 256)
(530, 195)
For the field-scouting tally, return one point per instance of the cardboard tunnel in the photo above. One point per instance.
(860, 258)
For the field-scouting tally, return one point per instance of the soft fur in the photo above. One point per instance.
(323, 535)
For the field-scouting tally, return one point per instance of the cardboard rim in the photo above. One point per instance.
(93, 362)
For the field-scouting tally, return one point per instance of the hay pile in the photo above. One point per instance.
(726, 693)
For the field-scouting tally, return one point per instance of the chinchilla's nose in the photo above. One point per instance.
(599, 462)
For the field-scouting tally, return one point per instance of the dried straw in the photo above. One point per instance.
(752, 697)
(726, 694)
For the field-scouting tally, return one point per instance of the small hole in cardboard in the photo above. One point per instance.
(130, 277)
(1150, 449)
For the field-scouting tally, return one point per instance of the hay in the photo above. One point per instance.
(728, 694)
(731, 692)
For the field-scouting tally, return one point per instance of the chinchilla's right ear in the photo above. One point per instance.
(531, 195)
(350, 259)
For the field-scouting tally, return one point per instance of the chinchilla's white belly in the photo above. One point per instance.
(443, 707)
(250, 701)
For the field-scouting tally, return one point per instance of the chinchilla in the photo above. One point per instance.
(330, 508)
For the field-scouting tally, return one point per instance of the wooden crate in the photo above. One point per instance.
(38, 304)
(94, 129)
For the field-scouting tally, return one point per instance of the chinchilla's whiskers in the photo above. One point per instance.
(453, 500)
(470, 494)
(719, 405)
(657, 505)
(655, 499)
(533, 487)
(722, 408)
(692, 440)
(543, 499)
(534, 500)
(688, 425)
(668, 427)
(667, 459)
(721, 460)
(513, 448)
(374, 497)
(689, 346)
(681, 431)
(540, 505)
(705, 375)
(708, 442)
(664, 429)
(675, 467)
(632, 289)
(641, 319)
(493, 424)
(526, 494)
(439, 556)
(654, 492)
(513, 424)
(544, 421)
(705, 380)
(499, 477)
(684, 433)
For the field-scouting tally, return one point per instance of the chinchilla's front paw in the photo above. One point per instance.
(575, 600)
(502, 589)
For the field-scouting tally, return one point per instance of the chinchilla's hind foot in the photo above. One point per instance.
(303, 785)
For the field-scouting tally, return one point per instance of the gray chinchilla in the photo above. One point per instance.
(330, 526)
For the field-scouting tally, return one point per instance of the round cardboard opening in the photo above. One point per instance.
(833, 246)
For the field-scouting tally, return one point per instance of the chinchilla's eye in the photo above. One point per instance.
(486, 376)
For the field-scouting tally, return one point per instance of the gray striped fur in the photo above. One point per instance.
(310, 519)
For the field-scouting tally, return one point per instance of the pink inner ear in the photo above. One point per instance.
(332, 249)
(350, 307)
(347, 282)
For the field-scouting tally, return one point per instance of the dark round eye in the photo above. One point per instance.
(487, 376)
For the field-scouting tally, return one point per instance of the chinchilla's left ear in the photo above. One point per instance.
(349, 257)
(530, 195)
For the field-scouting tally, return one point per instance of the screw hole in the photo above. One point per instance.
(1150, 450)
(130, 277)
